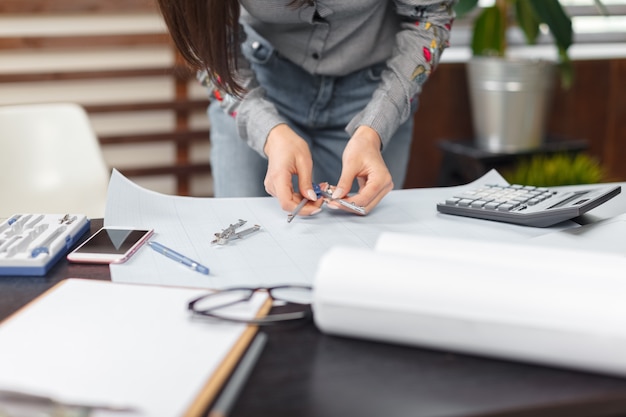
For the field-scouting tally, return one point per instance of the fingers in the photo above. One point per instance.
(288, 155)
(363, 161)
(368, 197)
(371, 202)
(373, 189)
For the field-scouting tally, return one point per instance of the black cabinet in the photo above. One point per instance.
(464, 162)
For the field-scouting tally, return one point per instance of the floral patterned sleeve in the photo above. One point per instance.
(419, 44)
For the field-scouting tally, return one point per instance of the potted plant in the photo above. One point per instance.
(510, 97)
(557, 169)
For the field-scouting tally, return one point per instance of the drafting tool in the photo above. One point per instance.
(294, 213)
(231, 233)
(30, 244)
(328, 193)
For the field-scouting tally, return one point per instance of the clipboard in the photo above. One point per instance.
(122, 345)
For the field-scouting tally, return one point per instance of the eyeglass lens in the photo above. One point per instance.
(223, 304)
(222, 299)
(293, 294)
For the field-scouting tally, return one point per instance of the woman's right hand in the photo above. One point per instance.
(288, 154)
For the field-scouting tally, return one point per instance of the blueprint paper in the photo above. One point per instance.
(604, 236)
(280, 252)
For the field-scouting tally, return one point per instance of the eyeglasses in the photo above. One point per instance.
(216, 304)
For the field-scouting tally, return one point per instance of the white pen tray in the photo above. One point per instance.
(31, 243)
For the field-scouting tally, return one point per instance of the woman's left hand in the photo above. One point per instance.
(362, 159)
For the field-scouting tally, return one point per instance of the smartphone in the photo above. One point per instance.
(110, 245)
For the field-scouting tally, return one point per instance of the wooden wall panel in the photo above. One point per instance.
(614, 153)
(75, 6)
(593, 109)
(581, 111)
(181, 105)
(443, 113)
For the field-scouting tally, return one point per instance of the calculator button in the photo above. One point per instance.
(506, 206)
(492, 205)
(468, 195)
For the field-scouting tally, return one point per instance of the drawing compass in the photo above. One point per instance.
(231, 233)
(327, 193)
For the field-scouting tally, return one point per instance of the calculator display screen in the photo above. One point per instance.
(568, 200)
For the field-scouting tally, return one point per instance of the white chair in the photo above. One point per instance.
(51, 161)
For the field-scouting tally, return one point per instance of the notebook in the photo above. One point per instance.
(130, 347)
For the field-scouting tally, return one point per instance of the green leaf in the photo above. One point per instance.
(552, 14)
(527, 21)
(489, 32)
(566, 69)
(557, 169)
(463, 7)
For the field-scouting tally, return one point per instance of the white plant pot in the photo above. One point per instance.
(509, 99)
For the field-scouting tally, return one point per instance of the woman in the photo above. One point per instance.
(318, 91)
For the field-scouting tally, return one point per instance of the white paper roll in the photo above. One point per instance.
(541, 305)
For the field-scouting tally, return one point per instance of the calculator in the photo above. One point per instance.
(526, 205)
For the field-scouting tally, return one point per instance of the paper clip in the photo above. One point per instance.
(231, 233)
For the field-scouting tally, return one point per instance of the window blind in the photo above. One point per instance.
(593, 25)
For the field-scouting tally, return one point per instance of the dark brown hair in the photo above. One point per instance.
(206, 32)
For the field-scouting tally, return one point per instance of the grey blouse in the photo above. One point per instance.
(337, 37)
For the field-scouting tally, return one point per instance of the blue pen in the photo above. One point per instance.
(163, 250)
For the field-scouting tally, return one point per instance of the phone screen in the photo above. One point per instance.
(109, 245)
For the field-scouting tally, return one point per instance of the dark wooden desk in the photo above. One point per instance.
(303, 373)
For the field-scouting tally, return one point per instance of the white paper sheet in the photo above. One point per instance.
(116, 344)
(281, 252)
(604, 236)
